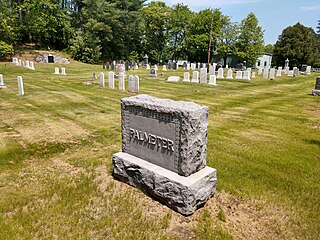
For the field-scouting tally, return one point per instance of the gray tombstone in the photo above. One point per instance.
(108, 66)
(184, 65)
(295, 71)
(112, 66)
(164, 145)
(102, 82)
(20, 85)
(203, 75)
(169, 65)
(121, 82)
(153, 73)
(316, 91)
(174, 66)
(111, 80)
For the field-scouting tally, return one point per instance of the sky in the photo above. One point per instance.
(273, 15)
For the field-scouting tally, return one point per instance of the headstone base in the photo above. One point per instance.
(315, 92)
(3, 86)
(182, 194)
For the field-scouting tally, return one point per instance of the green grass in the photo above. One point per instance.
(56, 144)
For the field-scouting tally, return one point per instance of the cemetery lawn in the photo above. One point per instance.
(57, 141)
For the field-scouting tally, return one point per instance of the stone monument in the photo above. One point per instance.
(164, 148)
(316, 91)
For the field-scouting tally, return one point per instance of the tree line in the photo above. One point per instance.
(99, 30)
(94, 31)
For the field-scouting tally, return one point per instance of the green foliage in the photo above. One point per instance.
(179, 20)
(269, 48)
(5, 49)
(156, 18)
(227, 39)
(202, 23)
(250, 41)
(297, 43)
(85, 48)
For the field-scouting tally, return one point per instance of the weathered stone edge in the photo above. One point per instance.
(182, 194)
(315, 92)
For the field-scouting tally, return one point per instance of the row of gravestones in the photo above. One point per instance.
(26, 64)
(63, 71)
(133, 82)
(20, 84)
(272, 73)
(240, 75)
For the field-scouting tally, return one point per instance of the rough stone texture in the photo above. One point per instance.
(317, 87)
(186, 121)
(315, 92)
(183, 194)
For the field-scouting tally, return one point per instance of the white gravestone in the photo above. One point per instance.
(290, 73)
(195, 77)
(286, 70)
(27, 64)
(102, 82)
(63, 71)
(136, 67)
(32, 66)
(188, 66)
(259, 71)
(212, 80)
(308, 70)
(136, 83)
(238, 75)
(186, 77)
(2, 85)
(220, 73)
(279, 72)
(20, 85)
(156, 67)
(193, 66)
(246, 75)
(214, 65)
(20, 62)
(253, 74)
(164, 68)
(56, 70)
(173, 79)
(131, 84)
(15, 61)
(23, 64)
(295, 72)
(211, 70)
(111, 80)
(203, 75)
(148, 67)
(229, 74)
(266, 73)
(272, 73)
(121, 82)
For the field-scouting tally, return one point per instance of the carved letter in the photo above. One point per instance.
(170, 145)
(152, 139)
(164, 143)
(131, 132)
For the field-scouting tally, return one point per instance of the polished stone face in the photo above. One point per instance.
(152, 136)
